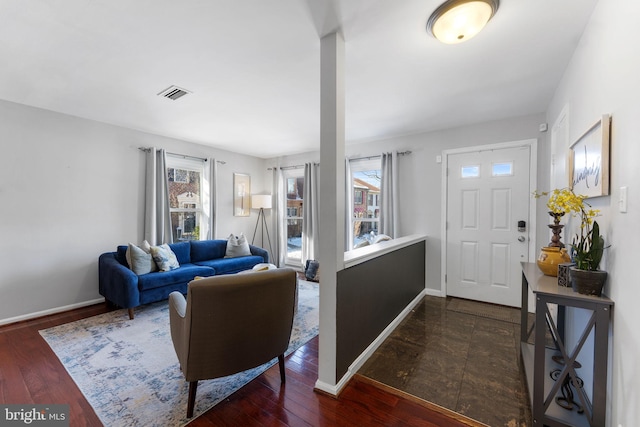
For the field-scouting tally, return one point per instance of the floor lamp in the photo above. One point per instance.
(262, 202)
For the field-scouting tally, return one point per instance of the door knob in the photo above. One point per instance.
(521, 239)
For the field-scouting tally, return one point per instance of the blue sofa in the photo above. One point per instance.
(122, 287)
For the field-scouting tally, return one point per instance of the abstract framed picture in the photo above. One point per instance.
(589, 160)
(241, 194)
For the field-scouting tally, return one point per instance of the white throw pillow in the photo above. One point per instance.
(139, 259)
(362, 244)
(381, 238)
(237, 246)
(164, 257)
(146, 247)
(264, 266)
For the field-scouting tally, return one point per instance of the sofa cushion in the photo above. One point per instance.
(165, 258)
(182, 251)
(184, 274)
(202, 250)
(237, 246)
(232, 265)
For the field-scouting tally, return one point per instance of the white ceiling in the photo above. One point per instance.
(254, 66)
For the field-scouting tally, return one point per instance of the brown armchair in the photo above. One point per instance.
(231, 323)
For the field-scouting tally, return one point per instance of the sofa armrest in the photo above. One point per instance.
(117, 283)
(255, 250)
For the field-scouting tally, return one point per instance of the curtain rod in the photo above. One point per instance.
(400, 153)
(184, 156)
(284, 168)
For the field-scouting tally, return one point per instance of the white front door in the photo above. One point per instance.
(488, 193)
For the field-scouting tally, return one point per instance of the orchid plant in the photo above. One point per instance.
(587, 246)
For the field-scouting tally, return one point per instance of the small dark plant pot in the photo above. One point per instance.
(587, 282)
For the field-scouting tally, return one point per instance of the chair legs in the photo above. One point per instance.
(281, 363)
(193, 387)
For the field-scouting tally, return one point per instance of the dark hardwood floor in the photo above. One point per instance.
(31, 373)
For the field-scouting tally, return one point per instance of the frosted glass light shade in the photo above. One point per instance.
(261, 201)
(456, 21)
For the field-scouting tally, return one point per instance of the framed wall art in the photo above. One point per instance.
(589, 160)
(241, 194)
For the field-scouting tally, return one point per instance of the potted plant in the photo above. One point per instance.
(586, 251)
(587, 246)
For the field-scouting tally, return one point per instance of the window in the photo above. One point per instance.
(178, 175)
(365, 176)
(185, 197)
(502, 169)
(294, 181)
(357, 197)
(470, 171)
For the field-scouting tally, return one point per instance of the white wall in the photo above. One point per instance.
(71, 189)
(602, 77)
(421, 177)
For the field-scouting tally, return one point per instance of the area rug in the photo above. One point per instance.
(491, 311)
(128, 370)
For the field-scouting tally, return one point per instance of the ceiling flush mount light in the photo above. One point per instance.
(456, 21)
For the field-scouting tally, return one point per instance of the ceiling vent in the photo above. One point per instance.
(173, 92)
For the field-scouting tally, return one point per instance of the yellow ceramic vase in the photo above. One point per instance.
(550, 258)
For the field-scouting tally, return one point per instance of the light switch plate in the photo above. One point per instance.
(623, 199)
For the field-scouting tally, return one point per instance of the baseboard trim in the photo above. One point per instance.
(331, 390)
(56, 310)
(334, 390)
(434, 292)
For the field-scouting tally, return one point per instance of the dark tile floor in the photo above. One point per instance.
(466, 363)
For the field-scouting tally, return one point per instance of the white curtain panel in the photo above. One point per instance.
(209, 201)
(310, 241)
(389, 195)
(348, 193)
(157, 219)
(279, 226)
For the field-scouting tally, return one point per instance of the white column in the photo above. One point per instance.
(332, 203)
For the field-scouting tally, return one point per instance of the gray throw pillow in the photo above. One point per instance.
(140, 261)
(237, 246)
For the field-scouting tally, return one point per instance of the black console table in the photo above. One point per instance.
(555, 389)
